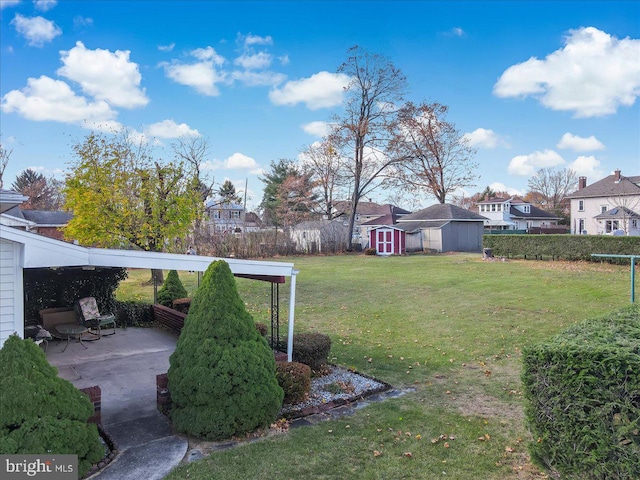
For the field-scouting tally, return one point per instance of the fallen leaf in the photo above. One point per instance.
(509, 450)
(407, 454)
(446, 445)
(377, 453)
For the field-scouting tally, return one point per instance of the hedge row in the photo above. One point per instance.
(583, 398)
(556, 247)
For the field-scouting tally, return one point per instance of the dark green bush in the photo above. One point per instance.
(566, 247)
(583, 398)
(222, 374)
(172, 289)
(41, 413)
(312, 349)
(48, 288)
(295, 380)
(132, 313)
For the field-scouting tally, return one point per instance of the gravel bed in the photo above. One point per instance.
(354, 385)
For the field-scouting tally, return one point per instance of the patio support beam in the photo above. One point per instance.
(292, 304)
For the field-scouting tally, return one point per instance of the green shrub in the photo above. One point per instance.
(312, 349)
(295, 380)
(41, 413)
(567, 247)
(132, 313)
(222, 374)
(172, 289)
(583, 398)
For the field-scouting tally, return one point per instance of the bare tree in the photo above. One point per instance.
(362, 132)
(322, 161)
(549, 187)
(194, 151)
(437, 157)
(5, 155)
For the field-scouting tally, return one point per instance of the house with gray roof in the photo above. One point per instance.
(610, 206)
(44, 222)
(443, 228)
(514, 214)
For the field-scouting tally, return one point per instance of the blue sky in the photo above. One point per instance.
(533, 84)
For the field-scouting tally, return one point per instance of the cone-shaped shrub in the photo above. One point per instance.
(172, 289)
(41, 413)
(222, 375)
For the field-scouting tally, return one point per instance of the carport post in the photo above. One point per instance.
(633, 269)
(292, 304)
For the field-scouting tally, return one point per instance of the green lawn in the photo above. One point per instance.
(449, 329)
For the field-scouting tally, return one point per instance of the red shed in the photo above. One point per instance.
(387, 240)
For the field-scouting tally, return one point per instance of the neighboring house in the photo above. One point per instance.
(514, 214)
(320, 236)
(610, 206)
(20, 250)
(443, 228)
(43, 222)
(365, 213)
(224, 217)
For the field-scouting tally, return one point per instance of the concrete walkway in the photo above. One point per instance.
(125, 366)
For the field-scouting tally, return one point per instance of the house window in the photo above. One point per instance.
(603, 208)
(581, 229)
(581, 206)
(529, 224)
(610, 225)
(216, 214)
(235, 214)
(634, 224)
(493, 207)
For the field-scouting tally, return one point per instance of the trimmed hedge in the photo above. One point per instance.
(132, 313)
(295, 380)
(567, 247)
(583, 398)
(312, 349)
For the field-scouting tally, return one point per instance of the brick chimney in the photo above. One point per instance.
(582, 182)
(617, 174)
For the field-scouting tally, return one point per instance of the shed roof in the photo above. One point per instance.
(440, 212)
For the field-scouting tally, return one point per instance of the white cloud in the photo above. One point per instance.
(37, 30)
(238, 160)
(580, 144)
(587, 167)
(47, 99)
(501, 187)
(526, 165)
(44, 5)
(481, 137)
(284, 60)
(79, 21)
(250, 40)
(203, 76)
(318, 129)
(320, 90)
(166, 48)
(457, 32)
(104, 75)
(8, 3)
(170, 129)
(254, 61)
(254, 79)
(592, 75)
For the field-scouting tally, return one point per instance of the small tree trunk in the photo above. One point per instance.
(157, 276)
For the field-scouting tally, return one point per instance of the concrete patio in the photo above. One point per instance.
(125, 366)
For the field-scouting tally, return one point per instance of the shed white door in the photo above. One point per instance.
(385, 242)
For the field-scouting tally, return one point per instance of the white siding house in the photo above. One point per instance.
(514, 214)
(610, 206)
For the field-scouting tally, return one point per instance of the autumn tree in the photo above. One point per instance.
(122, 197)
(323, 163)
(437, 158)
(272, 180)
(549, 187)
(43, 192)
(296, 201)
(361, 132)
(193, 151)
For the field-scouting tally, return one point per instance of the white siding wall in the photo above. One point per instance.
(11, 286)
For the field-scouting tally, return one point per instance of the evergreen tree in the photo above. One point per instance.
(171, 290)
(41, 413)
(227, 193)
(222, 374)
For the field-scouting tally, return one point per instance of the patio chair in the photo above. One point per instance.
(88, 315)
